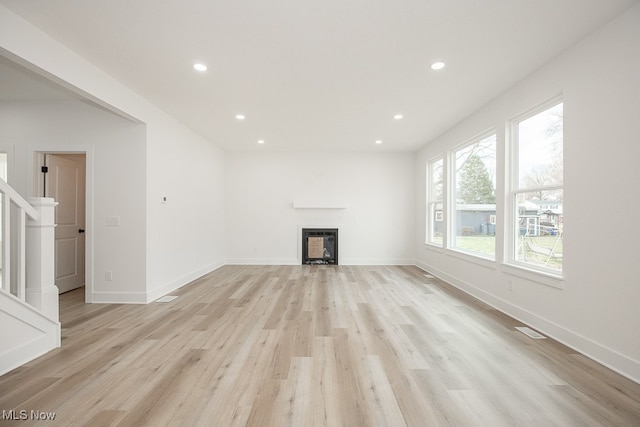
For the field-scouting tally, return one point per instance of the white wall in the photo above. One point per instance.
(597, 311)
(376, 227)
(116, 179)
(186, 233)
(180, 239)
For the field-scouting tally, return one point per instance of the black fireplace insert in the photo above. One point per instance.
(320, 246)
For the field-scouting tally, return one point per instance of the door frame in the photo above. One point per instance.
(37, 154)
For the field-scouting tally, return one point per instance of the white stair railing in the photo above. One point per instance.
(34, 277)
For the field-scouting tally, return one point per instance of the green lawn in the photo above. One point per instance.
(535, 253)
(479, 243)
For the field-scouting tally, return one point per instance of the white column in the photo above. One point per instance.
(42, 292)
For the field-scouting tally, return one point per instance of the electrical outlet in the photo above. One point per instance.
(108, 276)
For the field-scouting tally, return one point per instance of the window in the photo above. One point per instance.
(537, 189)
(3, 175)
(435, 194)
(3, 166)
(474, 209)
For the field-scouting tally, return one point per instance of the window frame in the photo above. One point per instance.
(432, 202)
(517, 267)
(452, 193)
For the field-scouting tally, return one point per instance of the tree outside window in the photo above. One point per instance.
(474, 219)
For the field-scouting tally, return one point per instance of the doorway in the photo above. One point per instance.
(62, 176)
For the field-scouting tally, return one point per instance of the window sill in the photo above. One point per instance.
(433, 247)
(542, 277)
(474, 257)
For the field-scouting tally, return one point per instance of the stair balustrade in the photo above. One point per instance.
(28, 258)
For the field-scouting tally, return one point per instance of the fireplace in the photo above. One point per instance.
(320, 246)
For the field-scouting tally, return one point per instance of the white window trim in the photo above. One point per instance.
(450, 196)
(510, 264)
(431, 202)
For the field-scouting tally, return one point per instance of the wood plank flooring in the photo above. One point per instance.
(311, 346)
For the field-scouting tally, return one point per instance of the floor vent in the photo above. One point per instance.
(530, 333)
(167, 298)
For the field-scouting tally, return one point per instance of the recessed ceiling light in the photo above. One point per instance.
(398, 116)
(261, 141)
(438, 65)
(378, 142)
(199, 67)
(240, 116)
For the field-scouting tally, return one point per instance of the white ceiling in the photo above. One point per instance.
(318, 75)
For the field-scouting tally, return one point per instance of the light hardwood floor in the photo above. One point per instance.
(312, 346)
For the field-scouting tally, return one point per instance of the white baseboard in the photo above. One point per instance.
(262, 261)
(184, 280)
(342, 261)
(18, 355)
(147, 297)
(610, 358)
(37, 333)
(377, 261)
(118, 298)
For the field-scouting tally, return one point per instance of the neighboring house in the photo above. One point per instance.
(535, 218)
(539, 217)
(474, 219)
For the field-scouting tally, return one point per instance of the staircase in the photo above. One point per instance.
(29, 325)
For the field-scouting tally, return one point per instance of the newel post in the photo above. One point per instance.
(42, 292)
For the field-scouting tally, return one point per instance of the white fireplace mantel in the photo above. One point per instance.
(319, 205)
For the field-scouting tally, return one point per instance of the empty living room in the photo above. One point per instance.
(319, 214)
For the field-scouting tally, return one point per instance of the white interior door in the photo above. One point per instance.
(65, 182)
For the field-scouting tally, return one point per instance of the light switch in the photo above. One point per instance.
(113, 221)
